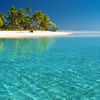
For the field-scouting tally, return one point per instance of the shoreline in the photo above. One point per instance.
(35, 34)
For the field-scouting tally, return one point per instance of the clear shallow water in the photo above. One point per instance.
(85, 34)
(50, 69)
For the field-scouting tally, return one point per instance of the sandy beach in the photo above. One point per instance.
(27, 34)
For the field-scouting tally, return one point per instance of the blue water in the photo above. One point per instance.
(65, 68)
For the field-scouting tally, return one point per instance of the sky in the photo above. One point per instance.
(67, 14)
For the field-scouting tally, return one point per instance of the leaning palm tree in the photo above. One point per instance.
(52, 26)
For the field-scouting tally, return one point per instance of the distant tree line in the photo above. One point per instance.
(22, 19)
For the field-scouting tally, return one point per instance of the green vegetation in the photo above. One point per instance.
(1, 20)
(20, 19)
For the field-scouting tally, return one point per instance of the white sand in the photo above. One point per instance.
(27, 34)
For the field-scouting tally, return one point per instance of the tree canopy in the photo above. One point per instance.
(1, 19)
(23, 19)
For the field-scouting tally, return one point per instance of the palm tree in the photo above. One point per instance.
(28, 9)
(28, 23)
(12, 16)
(21, 18)
(1, 22)
(45, 22)
(1, 19)
(37, 19)
(24, 21)
(52, 26)
(42, 21)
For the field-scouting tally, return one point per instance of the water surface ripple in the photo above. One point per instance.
(50, 69)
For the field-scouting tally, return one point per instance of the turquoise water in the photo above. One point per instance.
(50, 69)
